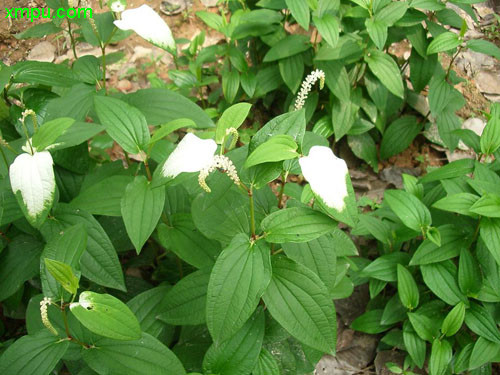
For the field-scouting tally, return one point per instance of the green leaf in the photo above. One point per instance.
(336, 78)
(223, 218)
(239, 278)
(170, 127)
(410, 210)
(300, 302)
(328, 27)
(363, 146)
(49, 132)
(344, 113)
(454, 320)
(385, 267)
(484, 46)
(230, 84)
(38, 31)
(377, 30)
(387, 71)
(490, 138)
(146, 307)
(292, 70)
(480, 321)
(76, 134)
(460, 203)
(63, 273)
(107, 316)
(19, 263)
(88, 69)
(399, 135)
(289, 46)
(141, 208)
(144, 356)
(484, 351)
(469, 274)
(318, 255)
(212, 20)
(407, 288)
(369, 322)
(490, 234)
(232, 117)
(421, 69)
(291, 123)
(185, 303)
(300, 11)
(454, 169)
(33, 355)
(443, 42)
(248, 82)
(488, 205)
(124, 123)
(266, 364)
(442, 281)
(391, 13)
(297, 224)
(43, 73)
(239, 354)
(104, 197)
(415, 346)
(453, 240)
(279, 147)
(161, 106)
(66, 246)
(441, 355)
(424, 326)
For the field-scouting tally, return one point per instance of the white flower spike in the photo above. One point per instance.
(307, 85)
(191, 155)
(326, 174)
(33, 177)
(149, 25)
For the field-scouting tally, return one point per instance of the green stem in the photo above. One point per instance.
(282, 189)
(4, 158)
(148, 171)
(252, 212)
(72, 39)
(451, 62)
(179, 267)
(27, 136)
(103, 49)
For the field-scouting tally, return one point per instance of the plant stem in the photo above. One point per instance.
(282, 189)
(451, 62)
(148, 171)
(252, 212)
(179, 267)
(164, 218)
(72, 39)
(103, 49)
(4, 158)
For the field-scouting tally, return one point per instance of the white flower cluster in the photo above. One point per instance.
(218, 162)
(118, 6)
(234, 133)
(306, 87)
(44, 305)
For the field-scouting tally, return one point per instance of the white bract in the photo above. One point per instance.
(149, 25)
(33, 177)
(327, 175)
(191, 155)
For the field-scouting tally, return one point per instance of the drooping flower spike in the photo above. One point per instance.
(307, 85)
(327, 175)
(194, 154)
(149, 25)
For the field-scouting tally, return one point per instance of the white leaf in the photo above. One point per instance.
(148, 24)
(33, 177)
(326, 174)
(191, 155)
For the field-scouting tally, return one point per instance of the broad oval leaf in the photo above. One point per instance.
(454, 320)
(107, 316)
(141, 208)
(443, 42)
(386, 70)
(407, 288)
(144, 356)
(441, 278)
(124, 123)
(232, 117)
(441, 354)
(301, 304)
(480, 321)
(33, 354)
(297, 224)
(239, 278)
(185, 303)
(278, 148)
(410, 210)
(289, 46)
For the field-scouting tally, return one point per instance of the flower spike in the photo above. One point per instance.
(307, 86)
